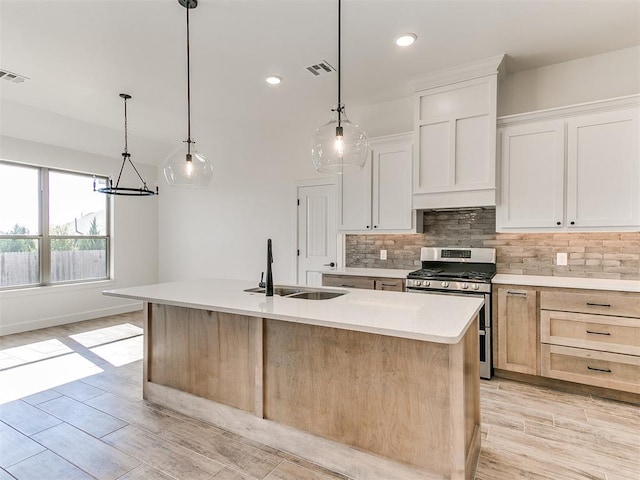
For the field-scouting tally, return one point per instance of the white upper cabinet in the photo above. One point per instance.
(532, 176)
(354, 203)
(455, 131)
(391, 197)
(571, 169)
(378, 198)
(602, 170)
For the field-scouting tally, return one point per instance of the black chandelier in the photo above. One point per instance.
(110, 189)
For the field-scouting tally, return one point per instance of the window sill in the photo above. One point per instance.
(53, 289)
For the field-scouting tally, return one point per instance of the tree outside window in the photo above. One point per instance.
(70, 245)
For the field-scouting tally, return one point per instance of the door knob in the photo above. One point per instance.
(332, 264)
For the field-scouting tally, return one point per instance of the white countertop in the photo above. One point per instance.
(371, 272)
(569, 282)
(427, 317)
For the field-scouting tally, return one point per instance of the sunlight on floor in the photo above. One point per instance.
(106, 335)
(121, 352)
(33, 352)
(24, 380)
(35, 367)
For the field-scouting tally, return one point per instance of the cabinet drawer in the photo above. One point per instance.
(597, 332)
(601, 369)
(598, 302)
(391, 284)
(348, 281)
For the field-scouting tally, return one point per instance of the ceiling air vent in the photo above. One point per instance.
(12, 77)
(321, 68)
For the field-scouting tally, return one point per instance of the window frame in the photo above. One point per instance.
(44, 238)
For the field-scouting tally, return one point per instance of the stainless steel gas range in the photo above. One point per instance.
(460, 271)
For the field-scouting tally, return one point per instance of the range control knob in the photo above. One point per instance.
(476, 286)
(418, 282)
(465, 286)
(427, 283)
(444, 284)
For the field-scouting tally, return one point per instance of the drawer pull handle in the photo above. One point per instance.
(389, 284)
(604, 370)
(598, 304)
(348, 286)
(598, 333)
(519, 294)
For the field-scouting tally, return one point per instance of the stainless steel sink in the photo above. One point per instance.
(300, 293)
(277, 290)
(255, 290)
(317, 295)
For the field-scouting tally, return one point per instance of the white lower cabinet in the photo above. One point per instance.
(580, 172)
(378, 198)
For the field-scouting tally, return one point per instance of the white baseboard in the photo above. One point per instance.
(64, 319)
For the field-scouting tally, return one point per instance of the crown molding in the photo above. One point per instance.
(557, 113)
(460, 73)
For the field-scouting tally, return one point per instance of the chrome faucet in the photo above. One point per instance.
(268, 290)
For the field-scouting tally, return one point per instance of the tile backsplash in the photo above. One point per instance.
(597, 255)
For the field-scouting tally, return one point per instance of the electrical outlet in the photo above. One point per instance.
(383, 254)
(561, 259)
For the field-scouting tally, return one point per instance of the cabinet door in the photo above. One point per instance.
(348, 281)
(602, 170)
(517, 330)
(391, 200)
(355, 199)
(390, 284)
(532, 166)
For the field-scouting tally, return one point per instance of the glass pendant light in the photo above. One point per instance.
(186, 167)
(339, 145)
(142, 190)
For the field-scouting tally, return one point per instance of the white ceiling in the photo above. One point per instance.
(79, 55)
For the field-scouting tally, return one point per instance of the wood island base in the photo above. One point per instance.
(366, 405)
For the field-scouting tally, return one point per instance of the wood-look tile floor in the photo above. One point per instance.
(71, 408)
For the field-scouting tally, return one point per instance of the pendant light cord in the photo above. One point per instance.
(339, 59)
(188, 88)
(126, 147)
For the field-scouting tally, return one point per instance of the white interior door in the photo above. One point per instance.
(317, 249)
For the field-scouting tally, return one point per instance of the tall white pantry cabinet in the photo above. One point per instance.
(571, 169)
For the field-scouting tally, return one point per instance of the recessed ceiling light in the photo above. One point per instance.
(406, 39)
(273, 80)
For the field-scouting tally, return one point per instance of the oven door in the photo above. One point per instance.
(484, 327)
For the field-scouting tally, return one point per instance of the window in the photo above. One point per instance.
(53, 227)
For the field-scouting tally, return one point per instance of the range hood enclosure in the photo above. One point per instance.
(455, 136)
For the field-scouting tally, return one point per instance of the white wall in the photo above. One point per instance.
(135, 247)
(386, 118)
(222, 231)
(613, 74)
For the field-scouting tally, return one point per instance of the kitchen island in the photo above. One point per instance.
(370, 384)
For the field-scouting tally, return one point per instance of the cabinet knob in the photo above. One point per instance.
(573, 223)
(368, 226)
(375, 226)
(558, 223)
